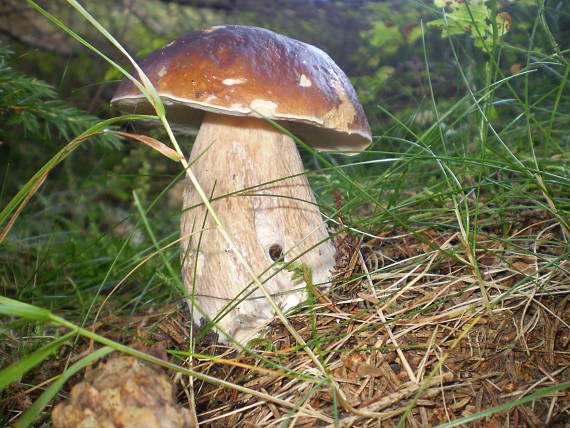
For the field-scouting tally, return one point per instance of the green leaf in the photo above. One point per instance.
(472, 18)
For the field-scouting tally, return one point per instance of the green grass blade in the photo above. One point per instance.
(17, 370)
(151, 234)
(55, 160)
(147, 89)
(14, 308)
(36, 408)
(487, 412)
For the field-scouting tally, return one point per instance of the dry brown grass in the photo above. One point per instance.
(404, 317)
(405, 327)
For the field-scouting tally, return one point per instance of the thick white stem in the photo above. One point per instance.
(231, 154)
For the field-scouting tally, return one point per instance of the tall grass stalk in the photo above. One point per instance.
(150, 92)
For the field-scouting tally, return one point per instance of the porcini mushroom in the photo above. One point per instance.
(226, 81)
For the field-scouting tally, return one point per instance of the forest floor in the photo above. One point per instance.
(406, 327)
(428, 325)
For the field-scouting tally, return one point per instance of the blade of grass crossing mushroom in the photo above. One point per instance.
(153, 97)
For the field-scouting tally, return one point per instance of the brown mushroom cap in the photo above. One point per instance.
(250, 71)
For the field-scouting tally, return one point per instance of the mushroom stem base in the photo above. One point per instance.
(254, 176)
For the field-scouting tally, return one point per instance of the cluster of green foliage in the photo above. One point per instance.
(34, 122)
(403, 44)
(475, 18)
(30, 109)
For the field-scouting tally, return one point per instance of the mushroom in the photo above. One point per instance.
(226, 81)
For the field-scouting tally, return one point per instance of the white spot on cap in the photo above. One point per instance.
(231, 82)
(304, 81)
(263, 107)
(170, 44)
(162, 71)
(213, 28)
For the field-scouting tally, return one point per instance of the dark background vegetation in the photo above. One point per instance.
(380, 44)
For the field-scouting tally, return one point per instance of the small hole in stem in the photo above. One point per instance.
(276, 252)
